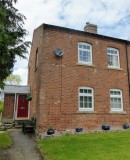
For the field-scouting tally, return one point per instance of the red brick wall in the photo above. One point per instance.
(8, 106)
(34, 72)
(56, 81)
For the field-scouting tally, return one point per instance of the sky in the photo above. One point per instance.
(111, 16)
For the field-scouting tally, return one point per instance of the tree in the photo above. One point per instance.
(12, 36)
(13, 79)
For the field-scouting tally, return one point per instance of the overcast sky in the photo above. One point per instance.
(111, 16)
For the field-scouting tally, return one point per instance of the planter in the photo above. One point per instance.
(79, 129)
(29, 98)
(105, 127)
(50, 131)
(125, 126)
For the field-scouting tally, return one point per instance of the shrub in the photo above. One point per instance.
(1, 106)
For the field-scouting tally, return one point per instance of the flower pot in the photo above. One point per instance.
(125, 126)
(29, 98)
(50, 131)
(105, 127)
(79, 129)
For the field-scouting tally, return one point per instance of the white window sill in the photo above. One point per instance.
(117, 112)
(86, 112)
(85, 64)
(114, 68)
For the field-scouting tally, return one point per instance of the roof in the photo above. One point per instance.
(48, 26)
(16, 89)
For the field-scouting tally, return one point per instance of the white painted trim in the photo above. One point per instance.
(14, 105)
(117, 96)
(91, 57)
(118, 56)
(86, 94)
(28, 109)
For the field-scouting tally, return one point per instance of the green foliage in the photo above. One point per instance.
(93, 146)
(1, 106)
(29, 97)
(12, 36)
(105, 123)
(13, 79)
(5, 140)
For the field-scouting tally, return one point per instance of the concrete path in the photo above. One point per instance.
(23, 148)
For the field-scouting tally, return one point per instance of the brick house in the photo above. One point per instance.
(78, 78)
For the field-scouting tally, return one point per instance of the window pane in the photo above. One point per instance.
(80, 56)
(81, 104)
(119, 105)
(89, 99)
(85, 105)
(84, 53)
(115, 61)
(113, 102)
(81, 98)
(85, 99)
(85, 91)
(84, 59)
(88, 47)
(109, 60)
(116, 100)
(88, 56)
(113, 57)
(81, 90)
(118, 93)
(89, 91)
(119, 100)
(115, 93)
(80, 46)
(108, 51)
(84, 47)
(90, 105)
(111, 92)
(80, 52)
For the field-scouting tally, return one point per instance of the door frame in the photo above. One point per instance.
(16, 108)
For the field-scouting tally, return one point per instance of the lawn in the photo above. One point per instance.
(5, 140)
(92, 146)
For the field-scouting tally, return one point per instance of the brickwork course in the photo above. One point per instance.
(55, 81)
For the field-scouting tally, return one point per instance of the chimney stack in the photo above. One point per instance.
(92, 28)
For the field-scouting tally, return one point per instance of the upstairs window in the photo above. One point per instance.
(113, 58)
(116, 100)
(84, 53)
(86, 99)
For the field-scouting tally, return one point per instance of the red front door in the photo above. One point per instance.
(22, 110)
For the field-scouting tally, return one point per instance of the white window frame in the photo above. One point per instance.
(114, 55)
(87, 50)
(87, 95)
(116, 96)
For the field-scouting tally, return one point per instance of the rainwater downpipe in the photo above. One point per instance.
(128, 70)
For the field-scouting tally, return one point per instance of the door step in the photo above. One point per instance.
(19, 123)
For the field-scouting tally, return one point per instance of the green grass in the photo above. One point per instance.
(5, 140)
(94, 146)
